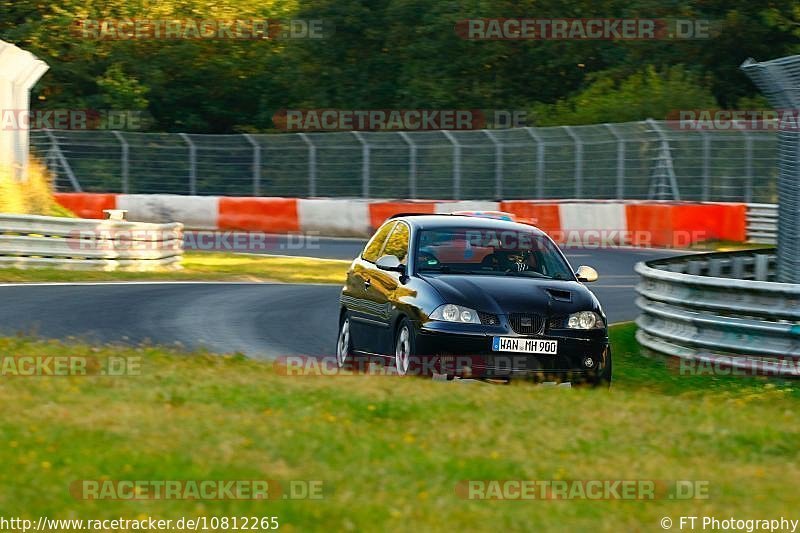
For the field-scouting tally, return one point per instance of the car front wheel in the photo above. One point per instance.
(403, 347)
(344, 345)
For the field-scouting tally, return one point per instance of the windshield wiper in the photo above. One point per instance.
(529, 274)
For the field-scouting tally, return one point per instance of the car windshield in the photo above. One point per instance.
(490, 251)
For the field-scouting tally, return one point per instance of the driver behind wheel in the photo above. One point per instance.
(512, 261)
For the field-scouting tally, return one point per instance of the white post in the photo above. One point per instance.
(620, 161)
(498, 165)
(706, 165)
(59, 155)
(256, 164)
(456, 164)
(540, 147)
(312, 165)
(125, 163)
(748, 154)
(412, 165)
(192, 163)
(578, 161)
(665, 158)
(19, 71)
(364, 164)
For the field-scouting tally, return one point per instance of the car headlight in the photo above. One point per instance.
(585, 320)
(455, 313)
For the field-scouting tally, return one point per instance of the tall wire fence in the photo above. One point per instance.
(779, 80)
(635, 160)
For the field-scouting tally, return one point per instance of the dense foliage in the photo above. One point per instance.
(385, 54)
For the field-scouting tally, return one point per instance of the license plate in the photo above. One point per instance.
(517, 344)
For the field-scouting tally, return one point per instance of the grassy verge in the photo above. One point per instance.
(34, 196)
(206, 266)
(727, 246)
(389, 450)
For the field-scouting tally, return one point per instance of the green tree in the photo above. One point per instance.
(646, 94)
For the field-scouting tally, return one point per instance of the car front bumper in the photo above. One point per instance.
(581, 356)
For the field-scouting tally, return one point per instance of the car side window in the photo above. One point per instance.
(397, 244)
(373, 249)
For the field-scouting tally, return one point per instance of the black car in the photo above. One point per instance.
(465, 296)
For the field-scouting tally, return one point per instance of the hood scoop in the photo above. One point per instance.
(559, 294)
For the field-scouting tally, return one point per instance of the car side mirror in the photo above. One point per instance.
(390, 263)
(586, 274)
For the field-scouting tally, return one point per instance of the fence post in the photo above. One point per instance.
(256, 164)
(192, 164)
(456, 164)
(666, 152)
(312, 164)
(578, 161)
(63, 160)
(620, 161)
(706, 165)
(125, 163)
(748, 168)
(498, 164)
(412, 165)
(540, 147)
(364, 164)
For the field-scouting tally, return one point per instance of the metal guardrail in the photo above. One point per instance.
(762, 223)
(32, 241)
(704, 307)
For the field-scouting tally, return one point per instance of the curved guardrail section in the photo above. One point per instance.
(32, 241)
(721, 305)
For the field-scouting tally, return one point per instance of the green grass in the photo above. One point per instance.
(391, 450)
(205, 266)
(727, 246)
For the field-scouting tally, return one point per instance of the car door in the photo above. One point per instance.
(382, 288)
(356, 296)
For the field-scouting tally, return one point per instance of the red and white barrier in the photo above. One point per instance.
(466, 205)
(334, 216)
(196, 212)
(638, 223)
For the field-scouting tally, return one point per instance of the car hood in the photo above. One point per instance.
(506, 294)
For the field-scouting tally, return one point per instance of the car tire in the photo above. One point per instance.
(404, 347)
(344, 342)
(604, 378)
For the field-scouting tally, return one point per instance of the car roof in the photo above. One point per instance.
(465, 221)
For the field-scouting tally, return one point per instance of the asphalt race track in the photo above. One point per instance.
(258, 319)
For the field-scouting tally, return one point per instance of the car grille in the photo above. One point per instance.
(488, 319)
(525, 323)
